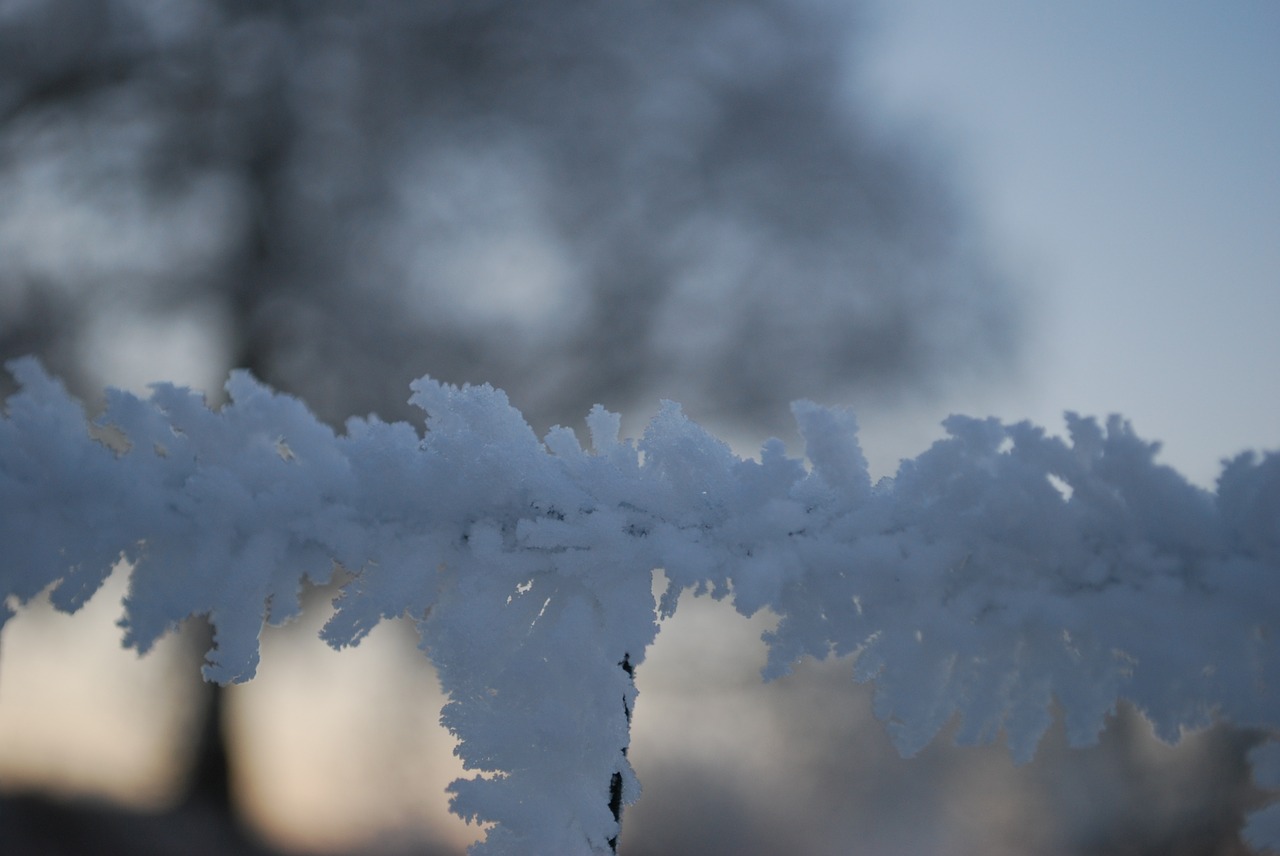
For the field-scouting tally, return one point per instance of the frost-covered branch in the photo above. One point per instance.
(1000, 570)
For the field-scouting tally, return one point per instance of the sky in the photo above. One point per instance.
(1126, 160)
(1123, 161)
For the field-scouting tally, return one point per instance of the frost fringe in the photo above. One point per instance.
(999, 570)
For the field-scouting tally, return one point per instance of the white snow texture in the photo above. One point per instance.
(970, 584)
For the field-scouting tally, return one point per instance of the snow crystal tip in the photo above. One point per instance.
(24, 365)
(30, 373)
(605, 428)
(241, 385)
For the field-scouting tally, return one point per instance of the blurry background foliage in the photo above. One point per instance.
(577, 202)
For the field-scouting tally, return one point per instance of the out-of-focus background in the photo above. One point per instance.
(913, 208)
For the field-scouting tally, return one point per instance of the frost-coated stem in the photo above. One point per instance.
(999, 571)
(615, 782)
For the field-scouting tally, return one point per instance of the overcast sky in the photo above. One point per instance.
(1126, 158)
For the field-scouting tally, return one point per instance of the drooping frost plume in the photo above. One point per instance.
(1000, 570)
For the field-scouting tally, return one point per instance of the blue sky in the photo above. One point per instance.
(1125, 159)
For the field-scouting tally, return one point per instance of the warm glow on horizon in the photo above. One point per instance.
(80, 715)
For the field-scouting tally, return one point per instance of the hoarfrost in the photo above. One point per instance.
(999, 571)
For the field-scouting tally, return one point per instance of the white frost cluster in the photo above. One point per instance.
(1000, 570)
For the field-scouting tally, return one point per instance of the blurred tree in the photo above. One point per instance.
(575, 202)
